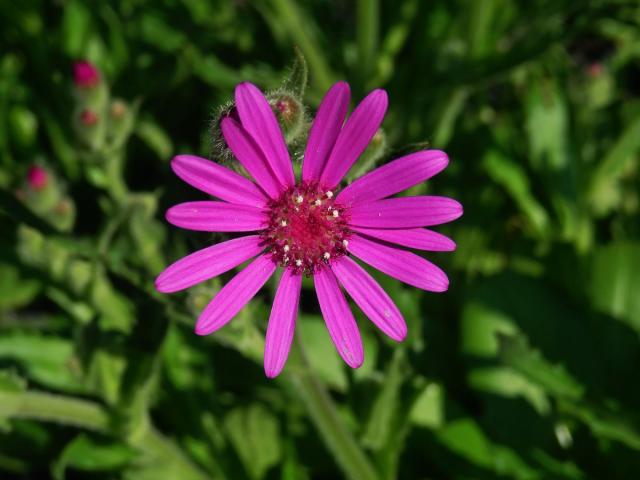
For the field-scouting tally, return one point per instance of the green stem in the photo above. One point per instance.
(368, 23)
(298, 28)
(115, 181)
(324, 415)
(48, 407)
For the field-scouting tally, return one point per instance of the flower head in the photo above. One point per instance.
(85, 74)
(310, 226)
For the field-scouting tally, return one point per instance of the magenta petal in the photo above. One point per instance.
(208, 263)
(399, 264)
(325, 129)
(418, 238)
(258, 119)
(235, 295)
(394, 177)
(354, 137)
(250, 156)
(371, 298)
(211, 216)
(217, 181)
(282, 323)
(338, 318)
(405, 212)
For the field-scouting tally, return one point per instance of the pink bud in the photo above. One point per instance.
(595, 69)
(88, 118)
(37, 177)
(85, 74)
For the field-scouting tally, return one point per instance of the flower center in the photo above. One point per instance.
(306, 229)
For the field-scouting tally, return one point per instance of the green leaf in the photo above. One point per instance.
(15, 291)
(322, 353)
(90, 454)
(155, 137)
(76, 25)
(547, 126)
(428, 409)
(515, 352)
(514, 179)
(604, 189)
(379, 427)
(615, 282)
(296, 81)
(46, 359)
(255, 434)
(465, 437)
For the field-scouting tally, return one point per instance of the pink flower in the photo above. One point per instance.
(85, 74)
(37, 178)
(309, 226)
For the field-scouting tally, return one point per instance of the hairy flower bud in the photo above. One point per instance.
(118, 109)
(85, 74)
(219, 149)
(37, 178)
(88, 118)
(290, 114)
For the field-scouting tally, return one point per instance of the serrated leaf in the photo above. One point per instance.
(515, 352)
(465, 437)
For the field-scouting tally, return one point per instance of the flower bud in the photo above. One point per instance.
(88, 118)
(290, 114)
(90, 128)
(37, 178)
(64, 214)
(120, 122)
(595, 69)
(40, 191)
(85, 74)
(219, 149)
(118, 109)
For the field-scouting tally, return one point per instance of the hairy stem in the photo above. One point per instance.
(337, 437)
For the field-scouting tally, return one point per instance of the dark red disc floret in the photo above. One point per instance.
(307, 229)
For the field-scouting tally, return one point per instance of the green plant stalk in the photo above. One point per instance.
(114, 173)
(299, 31)
(368, 26)
(338, 439)
(88, 415)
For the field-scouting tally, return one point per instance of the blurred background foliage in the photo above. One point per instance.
(527, 368)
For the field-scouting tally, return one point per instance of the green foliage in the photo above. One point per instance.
(525, 369)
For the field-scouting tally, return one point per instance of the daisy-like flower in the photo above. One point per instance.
(310, 226)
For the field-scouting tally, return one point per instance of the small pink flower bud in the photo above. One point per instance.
(88, 118)
(595, 69)
(85, 74)
(37, 177)
(118, 109)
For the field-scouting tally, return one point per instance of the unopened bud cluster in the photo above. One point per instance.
(45, 196)
(100, 121)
